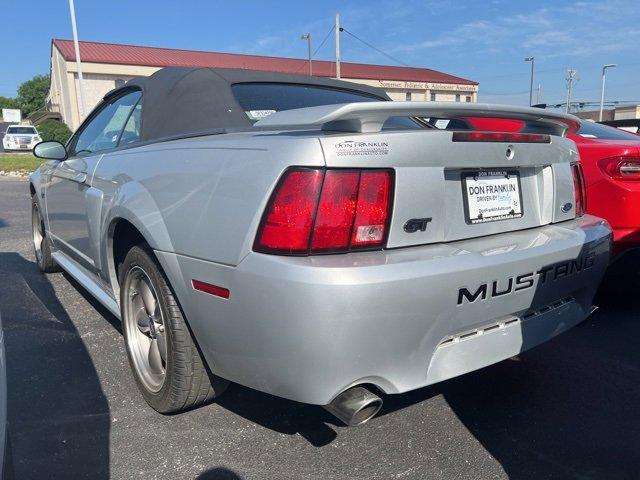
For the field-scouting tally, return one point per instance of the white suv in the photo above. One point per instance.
(20, 137)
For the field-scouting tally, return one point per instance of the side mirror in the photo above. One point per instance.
(50, 150)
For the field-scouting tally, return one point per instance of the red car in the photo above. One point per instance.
(610, 160)
(611, 164)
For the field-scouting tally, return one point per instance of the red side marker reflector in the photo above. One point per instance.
(579, 189)
(210, 289)
(511, 137)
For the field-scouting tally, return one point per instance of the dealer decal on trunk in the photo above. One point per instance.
(352, 147)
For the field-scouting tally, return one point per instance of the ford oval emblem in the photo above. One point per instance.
(510, 152)
(567, 207)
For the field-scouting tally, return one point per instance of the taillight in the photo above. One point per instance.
(286, 226)
(621, 168)
(510, 137)
(372, 211)
(336, 210)
(579, 189)
(326, 211)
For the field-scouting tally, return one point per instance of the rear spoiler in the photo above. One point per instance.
(369, 117)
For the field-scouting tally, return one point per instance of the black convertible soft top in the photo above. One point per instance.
(185, 101)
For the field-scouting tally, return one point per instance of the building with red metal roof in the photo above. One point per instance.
(107, 65)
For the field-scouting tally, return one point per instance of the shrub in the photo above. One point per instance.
(32, 94)
(54, 130)
(6, 102)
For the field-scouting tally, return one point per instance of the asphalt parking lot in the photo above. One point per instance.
(567, 409)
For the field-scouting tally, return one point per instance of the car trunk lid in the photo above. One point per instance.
(434, 175)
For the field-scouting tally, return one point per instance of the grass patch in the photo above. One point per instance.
(18, 162)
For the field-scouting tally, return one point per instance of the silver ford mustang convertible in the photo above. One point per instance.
(308, 238)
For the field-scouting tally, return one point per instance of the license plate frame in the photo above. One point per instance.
(509, 174)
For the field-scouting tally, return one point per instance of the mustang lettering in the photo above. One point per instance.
(527, 280)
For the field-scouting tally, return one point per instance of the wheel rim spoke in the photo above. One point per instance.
(154, 357)
(139, 312)
(162, 346)
(148, 298)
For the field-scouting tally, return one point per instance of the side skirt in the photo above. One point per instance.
(84, 278)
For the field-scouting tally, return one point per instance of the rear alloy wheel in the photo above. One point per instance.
(41, 242)
(147, 340)
(166, 363)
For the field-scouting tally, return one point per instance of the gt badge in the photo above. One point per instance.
(416, 224)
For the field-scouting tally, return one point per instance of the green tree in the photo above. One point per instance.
(54, 130)
(7, 102)
(32, 94)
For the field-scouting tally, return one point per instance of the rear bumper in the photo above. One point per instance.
(625, 239)
(619, 203)
(306, 328)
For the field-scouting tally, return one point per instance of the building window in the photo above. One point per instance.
(433, 96)
(468, 99)
(119, 82)
(407, 96)
(457, 97)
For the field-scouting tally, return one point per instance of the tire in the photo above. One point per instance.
(169, 372)
(41, 242)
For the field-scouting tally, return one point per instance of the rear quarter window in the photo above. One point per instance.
(604, 132)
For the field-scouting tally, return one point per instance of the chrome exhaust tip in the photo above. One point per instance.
(355, 406)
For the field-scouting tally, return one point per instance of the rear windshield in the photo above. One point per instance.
(21, 130)
(259, 100)
(596, 130)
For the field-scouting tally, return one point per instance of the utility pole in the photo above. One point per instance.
(307, 37)
(570, 77)
(539, 95)
(337, 29)
(604, 69)
(76, 46)
(533, 61)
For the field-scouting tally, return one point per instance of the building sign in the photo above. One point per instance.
(11, 115)
(401, 84)
(448, 87)
(452, 87)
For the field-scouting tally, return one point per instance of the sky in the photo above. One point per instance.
(485, 41)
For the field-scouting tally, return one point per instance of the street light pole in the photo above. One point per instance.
(533, 61)
(604, 69)
(571, 74)
(337, 29)
(307, 37)
(76, 47)
(539, 96)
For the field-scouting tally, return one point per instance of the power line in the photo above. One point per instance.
(382, 52)
(323, 41)
(319, 47)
